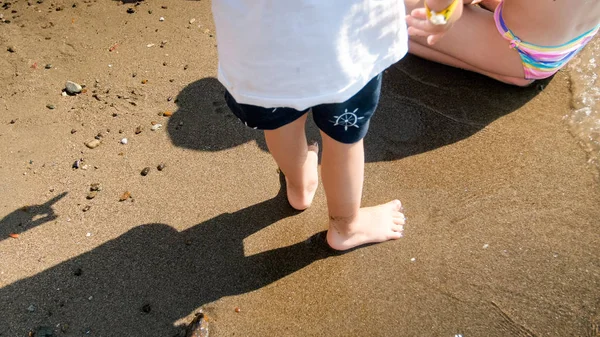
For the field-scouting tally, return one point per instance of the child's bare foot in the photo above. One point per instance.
(371, 224)
(301, 197)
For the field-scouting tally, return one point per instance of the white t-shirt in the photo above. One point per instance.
(302, 53)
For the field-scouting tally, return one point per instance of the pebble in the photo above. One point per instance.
(77, 163)
(167, 113)
(192, 21)
(413, 259)
(95, 187)
(146, 308)
(78, 272)
(237, 309)
(72, 88)
(73, 131)
(12, 121)
(124, 141)
(161, 166)
(51, 106)
(150, 45)
(486, 246)
(31, 308)
(48, 66)
(92, 144)
(92, 195)
(130, 10)
(145, 171)
(44, 331)
(86, 208)
(144, 81)
(161, 19)
(169, 99)
(125, 196)
(138, 130)
(156, 127)
(11, 49)
(64, 94)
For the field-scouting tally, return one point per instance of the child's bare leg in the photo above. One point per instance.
(475, 42)
(431, 54)
(342, 170)
(297, 160)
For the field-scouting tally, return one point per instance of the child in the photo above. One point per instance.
(522, 41)
(280, 59)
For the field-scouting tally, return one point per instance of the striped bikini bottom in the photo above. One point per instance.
(542, 61)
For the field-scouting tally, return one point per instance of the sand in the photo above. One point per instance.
(502, 234)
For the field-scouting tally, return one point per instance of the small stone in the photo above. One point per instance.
(144, 81)
(486, 246)
(92, 195)
(77, 163)
(185, 67)
(64, 94)
(125, 196)
(72, 88)
(167, 113)
(11, 49)
(145, 171)
(172, 80)
(413, 259)
(95, 187)
(77, 272)
(192, 21)
(161, 166)
(163, 7)
(88, 235)
(146, 308)
(130, 10)
(31, 308)
(12, 121)
(134, 75)
(156, 127)
(161, 19)
(86, 208)
(165, 64)
(138, 130)
(48, 66)
(150, 12)
(237, 309)
(44, 331)
(73, 131)
(124, 141)
(92, 144)
(180, 123)
(169, 99)
(51, 106)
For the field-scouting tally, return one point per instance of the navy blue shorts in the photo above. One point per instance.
(345, 122)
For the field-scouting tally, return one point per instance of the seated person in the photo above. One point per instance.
(519, 42)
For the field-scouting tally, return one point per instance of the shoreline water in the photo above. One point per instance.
(584, 120)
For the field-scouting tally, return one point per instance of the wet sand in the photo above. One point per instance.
(502, 238)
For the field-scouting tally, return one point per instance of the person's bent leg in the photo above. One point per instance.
(428, 53)
(297, 160)
(476, 44)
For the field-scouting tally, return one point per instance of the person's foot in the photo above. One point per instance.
(371, 225)
(301, 197)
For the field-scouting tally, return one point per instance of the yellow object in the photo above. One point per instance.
(441, 17)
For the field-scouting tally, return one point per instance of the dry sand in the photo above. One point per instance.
(502, 238)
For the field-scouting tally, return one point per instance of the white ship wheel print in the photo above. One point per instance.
(347, 119)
